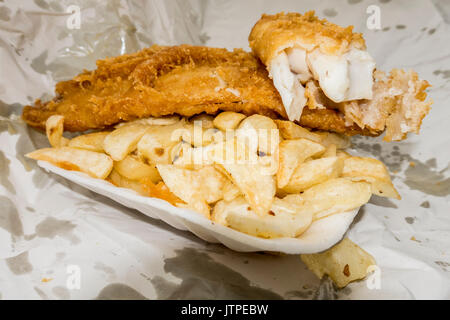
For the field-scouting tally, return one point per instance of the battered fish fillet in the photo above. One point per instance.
(319, 65)
(159, 81)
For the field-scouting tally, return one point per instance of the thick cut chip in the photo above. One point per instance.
(195, 187)
(122, 182)
(230, 191)
(212, 183)
(258, 188)
(97, 165)
(313, 172)
(258, 121)
(330, 138)
(236, 151)
(343, 263)
(54, 127)
(199, 136)
(342, 154)
(242, 166)
(223, 207)
(122, 141)
(372, 171)
(156, 144)
(331, 197)
(290, 130)
(233, 151)
(91, 141)
(206, 121)
(213, 135)
(228, 120)
(260, 133)
(203, 185)
(134, 169)
(185, 156)
(269, 164)
(283, 219)
(181, 155)
(292, 153)
(199, 206)
(180, 181)
(331, 151)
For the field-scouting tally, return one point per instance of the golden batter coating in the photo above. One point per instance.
(274, 33)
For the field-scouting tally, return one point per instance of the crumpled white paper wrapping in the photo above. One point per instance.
(61, 241)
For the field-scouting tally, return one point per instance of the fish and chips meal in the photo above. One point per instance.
(254, 141)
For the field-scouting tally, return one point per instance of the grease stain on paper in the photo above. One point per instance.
(119, 291)
(302, 294)
(445, 73)
(382, 202)
(326, 290)
(5, 13)
(330, 12)
(444, 265)
(425, 204)
(421, 176)
(425, 178)
(53, 5)
(9, 217)
(28, 139)
(203, 278)
(61, 292)
(4, 173)
(19, 264)
(41, 293)
(410, 220)
(52, 227)
(42, 4)
(60, 255)
(39, 65)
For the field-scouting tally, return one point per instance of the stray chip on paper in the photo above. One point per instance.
(343, 263)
